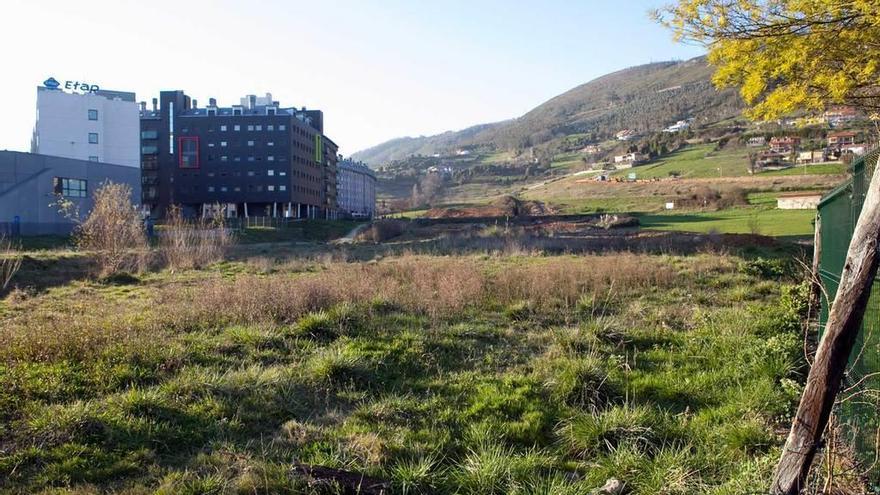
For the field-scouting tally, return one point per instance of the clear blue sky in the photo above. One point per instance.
(378, 69)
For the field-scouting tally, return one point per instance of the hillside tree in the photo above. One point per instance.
(787, 55)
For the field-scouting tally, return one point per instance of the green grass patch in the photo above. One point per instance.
(764, 221)
(809, 169)
(694, 162)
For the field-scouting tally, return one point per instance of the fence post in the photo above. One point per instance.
(832, 355)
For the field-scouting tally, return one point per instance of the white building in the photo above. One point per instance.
(355, 189)
(100, 126)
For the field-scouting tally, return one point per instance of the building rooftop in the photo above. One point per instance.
(106, 93)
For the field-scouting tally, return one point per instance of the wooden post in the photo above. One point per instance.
(832, 355)
(816, 279)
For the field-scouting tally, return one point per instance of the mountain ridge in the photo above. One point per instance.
(644, 98)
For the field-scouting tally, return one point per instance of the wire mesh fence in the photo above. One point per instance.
(858, 409)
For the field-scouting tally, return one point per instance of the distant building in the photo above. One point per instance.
(771, 159)
(855, 149)
(798, 201)
(757, 141)
(31, 183)
(837, 116)
(816, 156)
(99, 126)
(630, 159)
(356, 189)
(681, 125)
(844, 138)
(784, 144)
(625, 135)
(253, 159)
(592, 149)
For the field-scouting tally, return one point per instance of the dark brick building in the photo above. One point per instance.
(253, 159)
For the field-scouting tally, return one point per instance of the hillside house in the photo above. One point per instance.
(630, 159)
(784, 144)
(756, 142)
(681, 125)
(625, 135)
(838, 116)
(592, 149)
(772, 159)
(844, 138)
(816, 156)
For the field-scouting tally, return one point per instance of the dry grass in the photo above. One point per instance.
(188, 244)
(10, 262)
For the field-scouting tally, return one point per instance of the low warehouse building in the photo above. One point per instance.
(32, 184)
(798, 201)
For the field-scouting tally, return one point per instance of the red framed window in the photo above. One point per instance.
(188, 152)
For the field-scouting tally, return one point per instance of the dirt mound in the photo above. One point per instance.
(506, 206)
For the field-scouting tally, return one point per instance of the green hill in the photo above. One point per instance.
(645, 98)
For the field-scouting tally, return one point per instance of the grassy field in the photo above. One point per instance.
(442, 374)
(764, 221)
(695, 162)
(818, 168)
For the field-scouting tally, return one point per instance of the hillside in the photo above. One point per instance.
(643, 98)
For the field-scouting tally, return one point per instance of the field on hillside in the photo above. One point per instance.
(695, 162)
(506, 370)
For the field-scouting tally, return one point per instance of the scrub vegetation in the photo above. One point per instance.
(482, 373)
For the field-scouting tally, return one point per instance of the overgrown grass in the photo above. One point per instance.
(477, 374)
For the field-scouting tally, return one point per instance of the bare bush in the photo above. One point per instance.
(382, 230)
(10, 262)
(189, 244)
(114, 231)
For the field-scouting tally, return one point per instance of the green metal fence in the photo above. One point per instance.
(859, 413)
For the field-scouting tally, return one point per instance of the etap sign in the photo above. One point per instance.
(53, 83)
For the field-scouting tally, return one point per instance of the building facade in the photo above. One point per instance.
(252, 159)
(100, 126)
(356, 188)
(31, 185)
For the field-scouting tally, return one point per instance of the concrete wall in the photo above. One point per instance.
(63, 126)
(798, 202)
(27, 189)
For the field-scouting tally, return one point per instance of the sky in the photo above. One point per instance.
(378, 69)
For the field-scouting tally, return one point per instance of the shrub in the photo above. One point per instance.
(194, 244)
(10, 262)
(382, 230)
(114, 231)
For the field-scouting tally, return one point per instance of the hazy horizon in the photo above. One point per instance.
(379, 71)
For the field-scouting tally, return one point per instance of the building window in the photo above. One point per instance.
(270, 111)
(282, 127)
(210, 188)
(149, 150)
(236, 111)
(189, 152)
(93, 114)
(270, 188)
(250, 173)
(282, 173)
(222, 128)
(250, 158)
(237, 189)
(93, 158)
(258, 128)
(270, 173)
(222, 144)
(270, 158)
(282, 188)
(69, 188)
(223, 189)
(270, 127)
(149, 134)
(93, 138)
(250, 128)
(224, 158)
(250, 143)
(210, 145)
(270, 143)
(212, 112)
